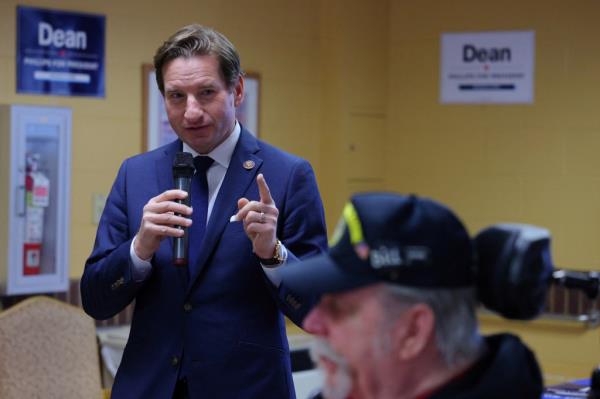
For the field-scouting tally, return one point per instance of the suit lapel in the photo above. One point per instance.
(164, 166)
(236, 182)
(164, 172)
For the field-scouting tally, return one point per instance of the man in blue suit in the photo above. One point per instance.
(213, 329)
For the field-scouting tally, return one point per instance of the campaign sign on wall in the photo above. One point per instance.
(487, 67)
(59, 52)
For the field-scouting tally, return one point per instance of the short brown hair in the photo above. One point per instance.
(194, 40)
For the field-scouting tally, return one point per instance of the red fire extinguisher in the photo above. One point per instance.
(37, 196)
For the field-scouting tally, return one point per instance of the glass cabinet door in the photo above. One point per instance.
(39, 165)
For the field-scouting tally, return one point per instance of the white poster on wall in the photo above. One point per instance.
(487, 67)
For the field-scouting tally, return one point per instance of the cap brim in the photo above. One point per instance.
(321, 275)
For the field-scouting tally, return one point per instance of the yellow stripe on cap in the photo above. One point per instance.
(354, 226)
(349, 218)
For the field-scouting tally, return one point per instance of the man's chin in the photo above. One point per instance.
(337, 392)
(338, 380)
(200, 144)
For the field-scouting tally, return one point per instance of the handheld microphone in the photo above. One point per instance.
(183, 170)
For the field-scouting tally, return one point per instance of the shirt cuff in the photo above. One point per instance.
(272, 272)
(140, 269)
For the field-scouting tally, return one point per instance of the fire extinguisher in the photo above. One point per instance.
(37, 190)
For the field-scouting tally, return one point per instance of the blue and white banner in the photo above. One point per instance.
(59, 52)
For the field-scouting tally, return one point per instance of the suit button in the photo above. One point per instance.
(174, 361)
(187, 307)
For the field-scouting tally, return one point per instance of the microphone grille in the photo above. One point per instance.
(183, 165)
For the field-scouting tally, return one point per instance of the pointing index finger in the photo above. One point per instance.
(263, 190)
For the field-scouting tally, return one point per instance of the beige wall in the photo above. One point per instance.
(354, 51)
(353, 87)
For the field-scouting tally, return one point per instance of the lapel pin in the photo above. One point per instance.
(248, 165)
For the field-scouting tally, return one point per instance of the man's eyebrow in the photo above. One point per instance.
(201, 85)
(211, 84)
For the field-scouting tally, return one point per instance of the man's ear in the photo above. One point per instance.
(414, 331)
(238, 92)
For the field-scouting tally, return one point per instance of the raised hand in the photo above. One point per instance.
(260, 220)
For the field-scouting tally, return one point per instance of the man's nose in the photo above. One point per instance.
(314, 322)
(193, 109)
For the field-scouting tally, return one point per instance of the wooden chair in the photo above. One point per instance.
(48, 349)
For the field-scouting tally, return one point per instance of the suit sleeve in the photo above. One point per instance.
(303, 232)
(107, 284)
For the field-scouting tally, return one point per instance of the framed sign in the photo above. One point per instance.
(156, 130)
(487, 67)
(248, 112)
(60, 52)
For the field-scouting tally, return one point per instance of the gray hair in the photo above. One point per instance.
(456, 331)
(192, 40)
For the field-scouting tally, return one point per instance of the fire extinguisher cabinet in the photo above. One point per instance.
(35, 165)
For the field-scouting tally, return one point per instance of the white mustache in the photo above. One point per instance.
(321, 348)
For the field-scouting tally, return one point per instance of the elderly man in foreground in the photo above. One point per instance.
(397, 317)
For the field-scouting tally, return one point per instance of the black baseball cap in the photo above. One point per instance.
(386, 237)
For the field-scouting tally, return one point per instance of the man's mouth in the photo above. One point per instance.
(195, 127)
(329, 365)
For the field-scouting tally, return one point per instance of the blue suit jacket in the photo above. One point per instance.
(222, 326)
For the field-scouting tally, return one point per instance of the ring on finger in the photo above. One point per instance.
(262, 217)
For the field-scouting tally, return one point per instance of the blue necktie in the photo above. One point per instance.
(200, 206)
